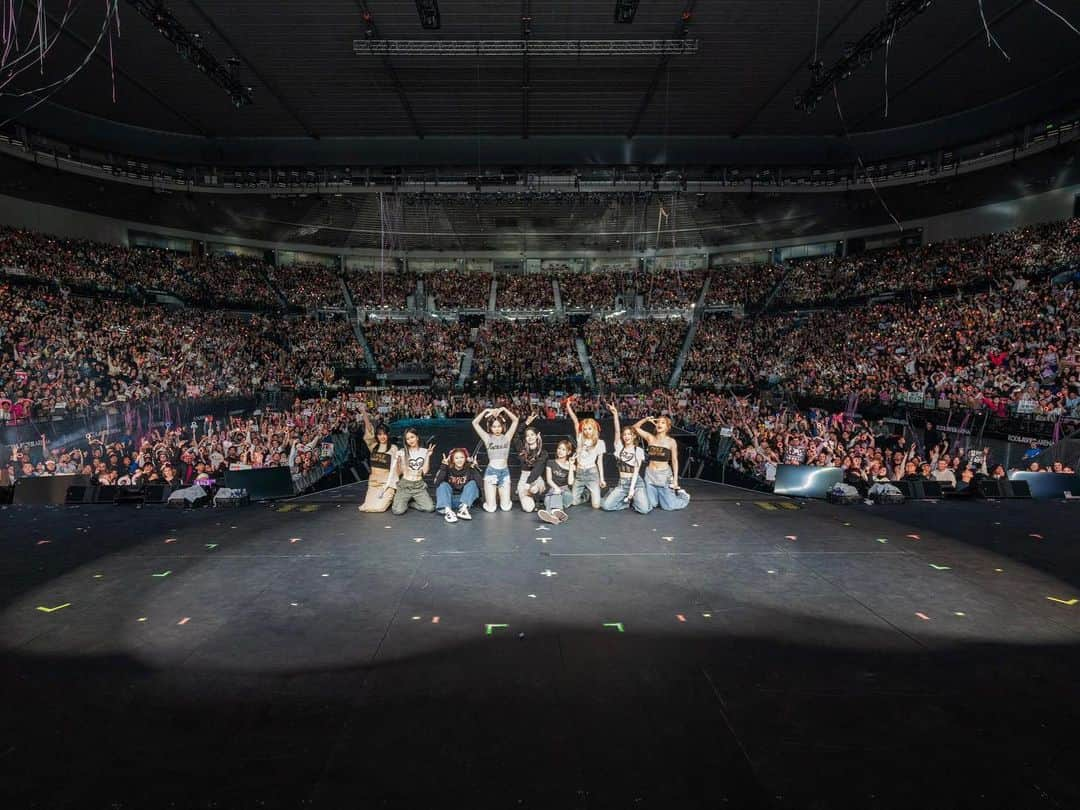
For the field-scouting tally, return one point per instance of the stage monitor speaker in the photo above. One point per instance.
(48, 489)
(6, 494)
(932, 489)
(130, 495)
(79, 494)
(801, 481)
(1045, 485)
(189, 497)
(155, 493)
(105, 494)
(264, 484)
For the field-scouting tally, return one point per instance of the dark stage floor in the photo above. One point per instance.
(741, 654)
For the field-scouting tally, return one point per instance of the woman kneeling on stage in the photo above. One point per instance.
(457, 486)
(589, 472)
(382, 482)
(629, 457)
(560, 479)
(413, 462)
(496, 438)
(533, 465)
(662, 474)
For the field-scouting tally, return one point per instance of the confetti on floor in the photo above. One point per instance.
(532, 595)
(170, 539)
(434, 619)
(940, 567)
(791, 537)
(913, 536)
(1036, 536)
(882, 540)
(44, 609)
(43, 542)
(680, 617)
(184, 620)
(141, 619)
(294, 539)
(1069, 602)
(923, 616)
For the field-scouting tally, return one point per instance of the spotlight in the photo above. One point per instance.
(429, 13)
(625, 11)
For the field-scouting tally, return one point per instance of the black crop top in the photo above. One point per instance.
(657, 452)
(380, 460)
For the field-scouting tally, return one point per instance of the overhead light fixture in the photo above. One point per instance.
(625, 11)
(429, 14)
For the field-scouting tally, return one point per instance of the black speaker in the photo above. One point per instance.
(1016, 489)
(990, 488)
(155, 493)
(129, 496)
(6, 493)
(79, 494)
(48, 489)
(105, 494)
(931, 489)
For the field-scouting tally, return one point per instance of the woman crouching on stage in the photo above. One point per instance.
(533, 465)
(629, 457)
(589, 472)
(560, 479)
(382, 482)
(662, 474)
(413, 462)
(457, 486)
(496, 437)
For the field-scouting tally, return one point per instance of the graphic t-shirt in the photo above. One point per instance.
(627, 458)
(498, 450)
(587, 454)
(559, 476)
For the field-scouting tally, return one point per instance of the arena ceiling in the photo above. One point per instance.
(752, 60)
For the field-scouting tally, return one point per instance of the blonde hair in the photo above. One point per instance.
(586, 423)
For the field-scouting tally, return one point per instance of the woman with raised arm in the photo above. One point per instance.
(382, 481)
(662, 474)
(589, 469)
(492, 428)
(457, 486)
(629, 457)
(533, 458)
(413, 463)
(559, 474)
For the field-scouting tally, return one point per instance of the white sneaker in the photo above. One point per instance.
(448, 513)
(463, 512)
(547, 516)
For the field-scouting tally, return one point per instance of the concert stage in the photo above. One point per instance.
(752, 651)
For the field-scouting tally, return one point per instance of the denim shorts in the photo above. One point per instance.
(497, 475)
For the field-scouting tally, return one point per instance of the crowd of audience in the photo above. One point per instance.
(669, 289)
(530, 355)
(517, 291)
(299, 437)
(309, 285)
(943, 265)
(371, 289)
(634, 354)
(63, 352)
(595, 291)
(457, 289)
(427, 344)
(748, 285)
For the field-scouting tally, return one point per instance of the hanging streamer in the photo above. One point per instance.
(990, 38)
(1059, 16)
(858, 158)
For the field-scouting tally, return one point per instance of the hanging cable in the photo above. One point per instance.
(1059, 16)
(858, 158)
(990, 38)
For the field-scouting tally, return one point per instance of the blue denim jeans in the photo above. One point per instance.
(445, 496)
(615, 500)
(658, 488)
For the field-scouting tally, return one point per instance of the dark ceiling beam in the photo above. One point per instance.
(796, 68)
(371, 31)
(681, 30)
(120, 71)
(258, 74)
(977, 35)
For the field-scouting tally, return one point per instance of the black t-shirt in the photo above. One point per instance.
(559, 476)
(457, 479)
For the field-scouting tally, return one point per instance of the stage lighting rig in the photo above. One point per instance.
(191, 49)
(429, 14)
(858, 54)
(625, 11)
